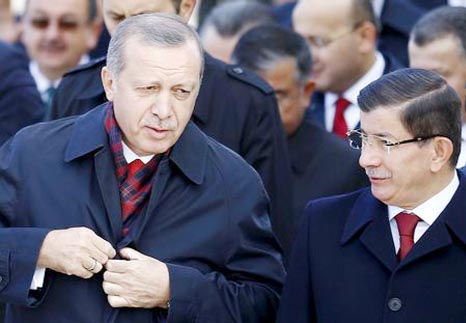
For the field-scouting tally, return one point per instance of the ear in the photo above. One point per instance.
(107, 82)
(307, 91)
(186, 9)
(367, 35)
(441, 153)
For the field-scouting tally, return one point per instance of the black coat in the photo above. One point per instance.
(322, 165)
(20, 102)
(234, 106)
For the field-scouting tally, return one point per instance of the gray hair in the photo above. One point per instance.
(233, 18)
(440, 23)
(158, 29)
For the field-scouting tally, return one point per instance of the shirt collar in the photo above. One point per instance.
(351, 94)
(131, 156)
(430, 210)
(42, 82)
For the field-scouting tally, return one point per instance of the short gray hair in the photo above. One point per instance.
(158, 29)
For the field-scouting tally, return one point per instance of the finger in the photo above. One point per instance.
(112, 289)
(92, 265)
(114, 278)
(98, 255)
(131, 254)
(117, 301)
(117, 266)
(104, 246)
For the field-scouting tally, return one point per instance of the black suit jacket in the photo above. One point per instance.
(234, 106)
(322, 165)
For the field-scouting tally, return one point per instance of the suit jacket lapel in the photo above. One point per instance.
(369, 217)
(106, 177)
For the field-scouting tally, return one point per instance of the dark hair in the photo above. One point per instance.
(261, 47)
(363, 11)
(231, 18)
(429, 105)
(439, 23)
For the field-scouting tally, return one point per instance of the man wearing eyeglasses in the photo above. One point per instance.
(343, 39)
(57, 36)
(394, 252)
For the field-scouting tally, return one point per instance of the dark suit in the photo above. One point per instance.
(322, 165)
(234, 107)
(207, 218)
(344, 267)
(20, 102)
(397, 19)
(316, 111)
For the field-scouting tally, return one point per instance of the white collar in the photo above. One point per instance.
(42, 82)
(430, 210)
(131, 155)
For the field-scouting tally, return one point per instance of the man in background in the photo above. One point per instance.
(57, 36)
(343, 39)
(438, 43)
(322, 164)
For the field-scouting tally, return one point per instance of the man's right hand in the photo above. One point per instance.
(75, 251)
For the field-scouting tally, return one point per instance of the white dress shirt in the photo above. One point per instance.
(352, 113)
(39, 273)
(428, 212)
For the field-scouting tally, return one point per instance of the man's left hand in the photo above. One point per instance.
(139, 281)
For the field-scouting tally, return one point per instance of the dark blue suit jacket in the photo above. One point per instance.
(207, 218)
(316, 111)
(20, 102)
(234, 106)
(322, 165)
(344, 268)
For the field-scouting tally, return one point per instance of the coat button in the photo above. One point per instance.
(394, 304)
(238, 70)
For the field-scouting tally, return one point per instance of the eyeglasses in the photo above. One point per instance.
(358, 140)
(321, 42)
(64, 24)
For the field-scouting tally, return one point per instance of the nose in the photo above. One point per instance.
(161, 106)
(52, 31)
(370, 157)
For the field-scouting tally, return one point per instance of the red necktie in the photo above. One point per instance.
(339, 123)
(406, 223)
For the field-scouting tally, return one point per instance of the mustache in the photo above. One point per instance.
(156, 123)
(377, 173)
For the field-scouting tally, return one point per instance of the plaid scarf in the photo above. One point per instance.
(134, 189)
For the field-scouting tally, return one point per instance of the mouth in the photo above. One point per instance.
(157, 133)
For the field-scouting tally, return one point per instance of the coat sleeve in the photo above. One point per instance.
(19, 245)
(246, 287)
(297, 301)
(265, 148)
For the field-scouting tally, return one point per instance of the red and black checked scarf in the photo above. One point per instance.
(135, 189)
